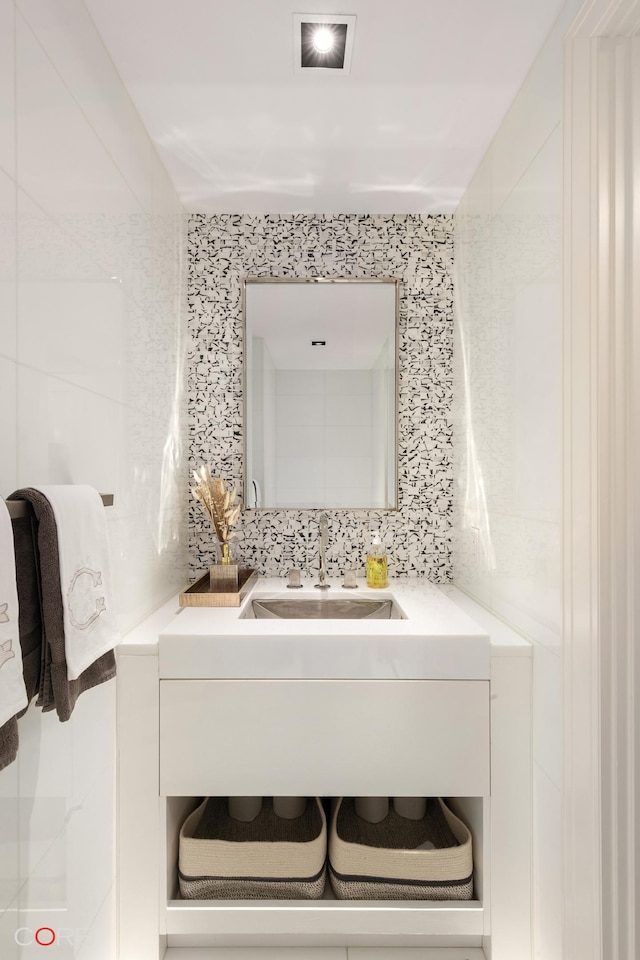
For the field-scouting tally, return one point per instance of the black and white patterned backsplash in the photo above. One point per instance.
(418, 250)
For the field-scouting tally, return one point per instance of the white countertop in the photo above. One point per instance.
(505, 641)
(437, 640)
(142, 640)
(445, 635)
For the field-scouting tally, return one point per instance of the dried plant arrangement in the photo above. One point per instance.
(220, 502)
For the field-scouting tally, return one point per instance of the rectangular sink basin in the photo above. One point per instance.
(312, 608)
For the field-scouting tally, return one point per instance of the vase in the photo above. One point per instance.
(223, 576)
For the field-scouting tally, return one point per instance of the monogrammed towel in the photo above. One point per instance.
(39, 578)
(90, 625)
(13, 694)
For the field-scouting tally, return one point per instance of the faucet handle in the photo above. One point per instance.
(350, 580)
(294, 580)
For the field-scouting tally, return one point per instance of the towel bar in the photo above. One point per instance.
(22, 508)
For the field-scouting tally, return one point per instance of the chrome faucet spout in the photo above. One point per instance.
(322, 568)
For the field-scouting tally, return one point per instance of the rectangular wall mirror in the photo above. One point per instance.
(320, 397)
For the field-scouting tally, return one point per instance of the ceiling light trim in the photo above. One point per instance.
(330, 18)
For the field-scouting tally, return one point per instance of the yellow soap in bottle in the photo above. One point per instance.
(377, 563)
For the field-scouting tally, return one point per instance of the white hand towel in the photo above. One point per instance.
(13, 695)
(90, 624)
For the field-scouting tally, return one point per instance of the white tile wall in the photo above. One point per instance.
(7, 264)
(330, 413)
(347, 383)
(301, 383)
(9, 843)
(294, 410)
(62, 163)
(71, 42)
(356, 412)
(547, 713)
(67, 434)
(297, 442)
(547, 877)
(82, 338)
(8, 927)
(508, 416)
(350, 470)
(535, 116)
(91, 294)
(96, 942)
(7, 88)
(8, 421)
(347, 443)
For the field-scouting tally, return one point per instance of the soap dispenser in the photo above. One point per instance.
(377, 563)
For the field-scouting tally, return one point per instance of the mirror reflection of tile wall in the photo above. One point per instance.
(324, 438)
(419, 251)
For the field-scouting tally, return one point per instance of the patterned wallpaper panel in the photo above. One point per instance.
(416, 249)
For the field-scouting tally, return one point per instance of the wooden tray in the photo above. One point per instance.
(200, 594)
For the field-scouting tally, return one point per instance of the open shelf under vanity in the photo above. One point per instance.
(329, 921)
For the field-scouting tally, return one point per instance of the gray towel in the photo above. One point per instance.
(8, 742)
(25, 531)
(55, 691)
(29, 628)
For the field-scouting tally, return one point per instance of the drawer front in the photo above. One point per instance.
(324, 737)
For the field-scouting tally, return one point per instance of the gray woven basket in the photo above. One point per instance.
(269, 858)
(379, 861)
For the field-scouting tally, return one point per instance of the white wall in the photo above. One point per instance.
(508, 413)
(90, 295)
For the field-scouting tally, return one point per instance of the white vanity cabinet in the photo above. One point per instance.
(324, 737)
(230, 707)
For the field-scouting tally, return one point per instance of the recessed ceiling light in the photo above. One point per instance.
(323, 39)
(323, 45)
(323, 42)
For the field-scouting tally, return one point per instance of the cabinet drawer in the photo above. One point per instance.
(324, 737)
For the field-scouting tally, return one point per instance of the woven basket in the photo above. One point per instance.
(270, 858)
(379, 861)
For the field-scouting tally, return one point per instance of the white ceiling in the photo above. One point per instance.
(241, 132)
